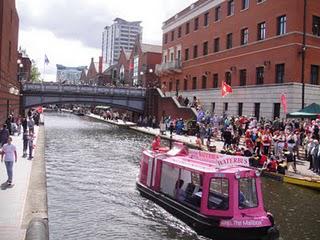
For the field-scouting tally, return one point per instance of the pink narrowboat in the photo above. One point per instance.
(218, 195)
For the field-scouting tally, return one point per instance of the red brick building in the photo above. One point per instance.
(259, 47)
(9, 27)
(24, 65)
(142, 62)
(124, 68)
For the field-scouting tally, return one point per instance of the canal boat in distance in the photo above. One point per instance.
(218, 195)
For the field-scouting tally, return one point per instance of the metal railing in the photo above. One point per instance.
(169, 66)
(82, 89)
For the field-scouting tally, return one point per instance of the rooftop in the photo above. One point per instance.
(151, 48)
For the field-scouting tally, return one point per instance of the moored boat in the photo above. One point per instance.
(309, 182)
(219, 196)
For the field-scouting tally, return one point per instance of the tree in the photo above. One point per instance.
(35, 75)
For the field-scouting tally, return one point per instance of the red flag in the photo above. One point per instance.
(225, 89)
(284, 102)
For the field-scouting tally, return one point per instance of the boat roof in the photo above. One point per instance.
(203, 166)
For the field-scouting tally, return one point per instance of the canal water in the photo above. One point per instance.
(91, 173)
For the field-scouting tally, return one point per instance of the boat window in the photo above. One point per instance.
(219, 194)
(169, 177)
(189, 189)
(247, 193)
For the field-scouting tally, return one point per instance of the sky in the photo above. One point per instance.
(69, 32)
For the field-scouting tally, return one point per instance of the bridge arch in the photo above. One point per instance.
(131, 99)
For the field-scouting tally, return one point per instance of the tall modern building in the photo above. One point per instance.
(69, 75)
(121, 34)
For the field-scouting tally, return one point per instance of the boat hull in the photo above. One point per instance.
(204, 225)
(302, 182)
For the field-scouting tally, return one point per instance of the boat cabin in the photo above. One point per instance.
(210, 183)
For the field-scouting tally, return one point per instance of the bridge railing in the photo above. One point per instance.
(83, 89)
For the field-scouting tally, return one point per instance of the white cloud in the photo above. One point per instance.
(69, 31)
(59, 51)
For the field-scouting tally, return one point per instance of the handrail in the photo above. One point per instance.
(85, 89)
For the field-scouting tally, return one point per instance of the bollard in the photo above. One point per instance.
(38, 229)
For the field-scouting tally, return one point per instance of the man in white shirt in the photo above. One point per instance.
(10, 155)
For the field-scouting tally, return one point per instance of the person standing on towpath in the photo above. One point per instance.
(10, 154)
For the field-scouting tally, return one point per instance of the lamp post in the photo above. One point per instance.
(20, 66)
(141, 78)
(303, 53)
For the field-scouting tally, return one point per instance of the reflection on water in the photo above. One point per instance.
(92, 168)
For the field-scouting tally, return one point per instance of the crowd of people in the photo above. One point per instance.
(19, 126)
(274, 145)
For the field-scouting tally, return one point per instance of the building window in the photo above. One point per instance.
(257, 110)
(316, 25)
(260, 75)
(244, 36)
(261, 31)
(187, 28)
(230, 7)
(243, 77)
(314, 74)
(229, 41)
(172, 35)
(165, 38)
(225, 107)
(185, 84)
(195, 51)
(280, 73)
(282, 25)
(213, 107)
(228, 78)
(179, 55)
(206, 19)
(217, 15)
(194, 83)
(170, 86)
(205, 48)
(215, 80)
(186, 54)
(216, 47)
(10, 49)
(171, 57)
(179, 32)
(245, 4)
(240, 109)
(204, 82)
(177, 85)
(276, 110)
(196, 24)
(260, 1)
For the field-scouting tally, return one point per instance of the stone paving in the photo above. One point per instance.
(13, 199)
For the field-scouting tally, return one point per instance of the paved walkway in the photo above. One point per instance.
(302, 166)
(12, 200)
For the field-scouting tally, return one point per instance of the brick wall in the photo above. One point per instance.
(9, 25)
(267, 53)
(161, 106)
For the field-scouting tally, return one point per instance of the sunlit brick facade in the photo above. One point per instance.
(9, 27)
(254, 45)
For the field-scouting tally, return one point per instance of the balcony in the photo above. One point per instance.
(169, 67)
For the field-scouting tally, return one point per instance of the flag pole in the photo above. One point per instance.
(44, 70)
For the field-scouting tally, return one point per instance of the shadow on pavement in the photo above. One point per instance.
(5, 186)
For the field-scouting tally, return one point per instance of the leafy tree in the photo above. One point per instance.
(35, 75)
